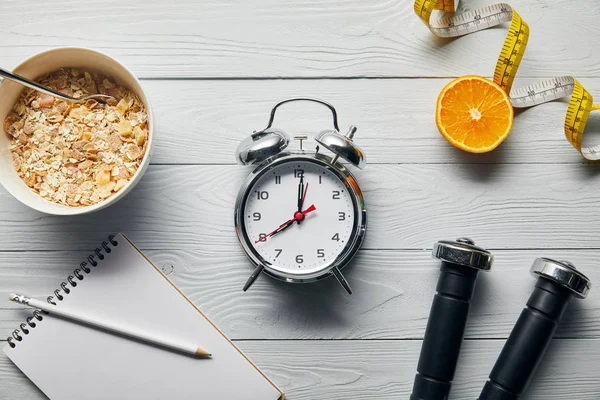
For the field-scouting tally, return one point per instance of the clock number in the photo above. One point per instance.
(336, 237)
(320, 253)
(336, 195)
(262, 237)
(341, 216)
(278, 180)
(257, 216)
(320, 179)
(299, 258)
(298, 173)
(278, 252)
(264, 195)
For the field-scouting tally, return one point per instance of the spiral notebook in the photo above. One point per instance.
(117, 282)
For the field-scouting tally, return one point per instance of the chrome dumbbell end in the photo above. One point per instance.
(564, 273)
(558, 282)
(461, 263)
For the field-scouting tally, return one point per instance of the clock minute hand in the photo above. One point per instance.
(300, 193)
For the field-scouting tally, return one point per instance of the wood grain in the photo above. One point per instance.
(207, 68)
(393, 291)
(411, 206)
(273, 38)
(202, 122)
(384, 370)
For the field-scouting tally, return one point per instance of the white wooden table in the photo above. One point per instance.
(213, 70)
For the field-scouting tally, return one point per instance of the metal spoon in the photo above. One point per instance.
(103, 98)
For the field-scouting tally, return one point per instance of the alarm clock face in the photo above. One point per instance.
(299, 217)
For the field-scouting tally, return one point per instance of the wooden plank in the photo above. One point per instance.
(411, 206)
(202, 122)
(523, 210)
(296, 38)
(384, 370)
(393, 291)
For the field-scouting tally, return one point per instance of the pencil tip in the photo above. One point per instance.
(202, 353)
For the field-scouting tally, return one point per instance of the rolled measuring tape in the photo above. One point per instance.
(581, 102)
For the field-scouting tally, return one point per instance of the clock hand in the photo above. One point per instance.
(300, 193)
(309, 210)
(304, 195)
(301, 199)
(298, 216)
(281, 228)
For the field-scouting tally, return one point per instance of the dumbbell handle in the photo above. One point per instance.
(527, 342)
(444, 333)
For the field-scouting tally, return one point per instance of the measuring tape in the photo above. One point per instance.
(581, 102)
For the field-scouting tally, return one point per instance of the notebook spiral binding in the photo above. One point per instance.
(65, 288)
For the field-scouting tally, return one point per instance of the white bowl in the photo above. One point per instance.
(10, 91)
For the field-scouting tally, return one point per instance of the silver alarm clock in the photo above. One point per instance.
(300, 216)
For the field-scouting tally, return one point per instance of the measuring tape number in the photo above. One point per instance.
(581, 102)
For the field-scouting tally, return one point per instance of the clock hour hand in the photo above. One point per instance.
(298, 216)
(279, 229)
(283, 227)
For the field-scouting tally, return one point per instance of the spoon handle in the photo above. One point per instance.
(33, 85)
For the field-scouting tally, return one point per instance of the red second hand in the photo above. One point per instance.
(304, 195)
(309, 210)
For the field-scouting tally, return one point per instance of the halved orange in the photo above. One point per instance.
(474, 114)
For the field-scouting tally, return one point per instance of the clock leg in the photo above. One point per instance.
(253, 277)
(338, 274)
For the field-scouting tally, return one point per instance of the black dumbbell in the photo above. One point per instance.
(558, 282)
(461, 262)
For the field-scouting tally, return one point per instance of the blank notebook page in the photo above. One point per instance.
(67, 360)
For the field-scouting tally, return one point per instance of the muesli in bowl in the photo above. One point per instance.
(68, 158)
(77, 154)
